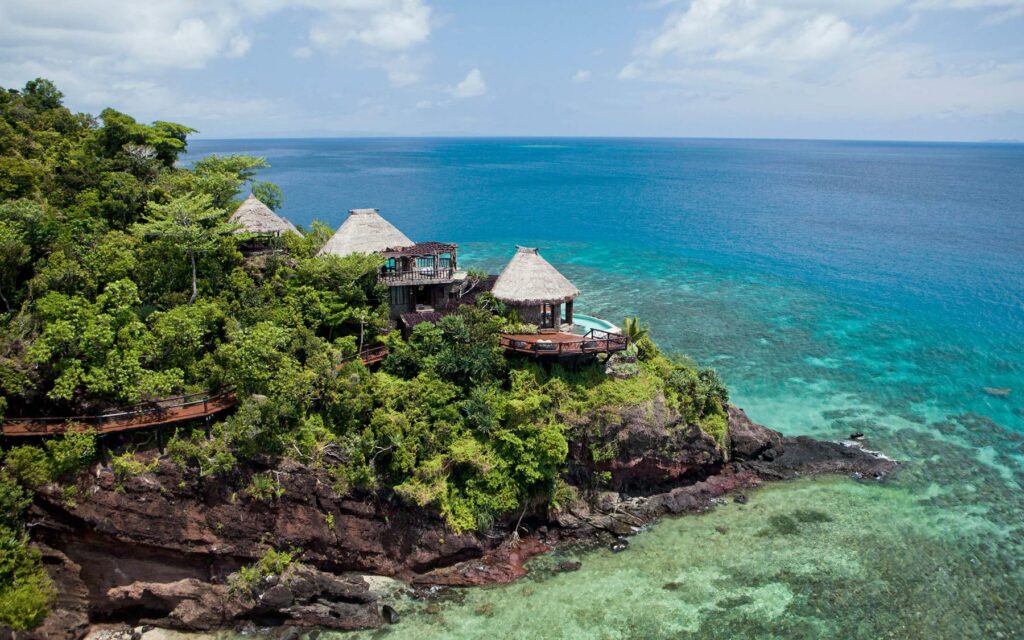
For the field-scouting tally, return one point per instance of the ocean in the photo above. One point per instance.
(837, 287)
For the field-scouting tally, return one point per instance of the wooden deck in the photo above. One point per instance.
(160, 412)
(563, 344)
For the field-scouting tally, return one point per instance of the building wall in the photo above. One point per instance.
(403, 299)
(532, 313)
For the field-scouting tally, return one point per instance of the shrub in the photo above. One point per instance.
(125, 465)
(70, 453)
(207, 457)
(13, 500)
(25, 590)
(272, 563)
(28, 464)
(716, 426)
(264, 487)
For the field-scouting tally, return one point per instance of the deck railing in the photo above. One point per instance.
(593, 341)
(420, 274)
(145, 414)
(368, 356)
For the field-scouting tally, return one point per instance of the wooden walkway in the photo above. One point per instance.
(563, 344)
(371, 355)
(151, 414)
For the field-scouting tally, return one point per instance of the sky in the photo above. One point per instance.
(836, 69)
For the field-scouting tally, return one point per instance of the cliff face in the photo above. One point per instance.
(159, 546)
(642, 448)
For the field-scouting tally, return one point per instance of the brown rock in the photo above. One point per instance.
(749, 439)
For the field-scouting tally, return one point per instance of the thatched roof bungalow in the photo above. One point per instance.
(259, 219)
(420, 276)
(365, 231)
(536, 289)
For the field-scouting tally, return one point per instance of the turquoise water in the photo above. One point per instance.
(585, 323)
(838, 287)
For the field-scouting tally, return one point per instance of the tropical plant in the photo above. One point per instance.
(191, 223)
(632, 329)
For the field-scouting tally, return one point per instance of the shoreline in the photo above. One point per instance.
(323, 592)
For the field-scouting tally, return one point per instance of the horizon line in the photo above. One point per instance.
(990, 141)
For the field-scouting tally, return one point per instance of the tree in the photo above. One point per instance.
(42, 94)
(269, 194)
(632, 329)
(222, 176)
(120, 131)
(13, 254)
(192, 223)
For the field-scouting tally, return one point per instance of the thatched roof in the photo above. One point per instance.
(256, 217)
(365, 231)
(530, 279)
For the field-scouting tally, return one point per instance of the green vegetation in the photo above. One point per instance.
(272, 563)
(25, 589)
(264, 487)
(121, 281)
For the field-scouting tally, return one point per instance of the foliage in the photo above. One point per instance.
(70, 453)
(121, 281)
(62, 457)
(13, 500)
(29, 464)
(272, 563)
(191, 223)
(264, 487)
(127, 464)
(632, 329)
(25, 590)
(190, 450)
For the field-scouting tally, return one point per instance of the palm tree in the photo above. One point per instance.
(632, 329)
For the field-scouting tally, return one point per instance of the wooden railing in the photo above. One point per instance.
(148, 414)
(420, 274)
(368, 356)
(560, 344)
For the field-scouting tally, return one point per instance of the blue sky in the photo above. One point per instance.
(869, 69)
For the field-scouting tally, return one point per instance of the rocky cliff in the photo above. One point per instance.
(160, 547)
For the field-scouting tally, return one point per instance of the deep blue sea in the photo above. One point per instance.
(837, 286)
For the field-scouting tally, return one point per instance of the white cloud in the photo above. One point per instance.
(581, 76)
(725, 30)
(767, 62)
(388, 25)
(100, 52)
(472, 85)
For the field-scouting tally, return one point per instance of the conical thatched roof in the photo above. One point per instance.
(365, 231)
(256, 217)
(530, 279)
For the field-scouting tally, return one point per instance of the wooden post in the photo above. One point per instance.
(101, 447)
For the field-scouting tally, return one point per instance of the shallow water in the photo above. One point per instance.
(838, 287)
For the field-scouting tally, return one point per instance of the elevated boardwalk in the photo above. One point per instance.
(563, 344)
(368, 356)
(151, 414)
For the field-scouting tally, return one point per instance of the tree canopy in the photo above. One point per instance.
(121, 281)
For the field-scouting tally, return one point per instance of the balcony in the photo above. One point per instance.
(418, 275)
(422, 263)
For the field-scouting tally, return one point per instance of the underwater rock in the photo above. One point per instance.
(740, 499)
(389, 614)
(569, 565)
(998, 392)
(857, 435)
